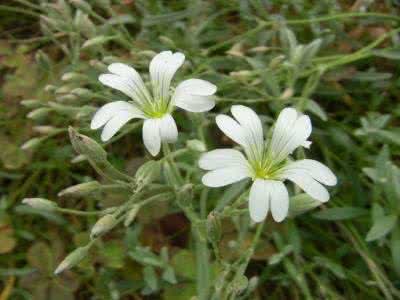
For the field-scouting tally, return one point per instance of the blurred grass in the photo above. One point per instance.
(331, 253)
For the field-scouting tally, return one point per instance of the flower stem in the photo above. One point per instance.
(170, 160)
(203, 270)
(79, 212)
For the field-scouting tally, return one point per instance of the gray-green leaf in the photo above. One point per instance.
(382, 226)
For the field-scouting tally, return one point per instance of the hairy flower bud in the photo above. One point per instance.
(39, 113)
(82, 92)
(214, 228)
(50, 88)
(72, 259)
(196, 145)
(86, 146)
(287, 93)
(40, 203)
(148, 172)
(80, 189)
(98, 40)
(72, 76)
(32, 143)
(43, 60)
(45, 129)
(103, 225)
(31, 103)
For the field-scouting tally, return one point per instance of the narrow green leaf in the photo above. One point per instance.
(340, 213)
(388, 53)
(382, 226)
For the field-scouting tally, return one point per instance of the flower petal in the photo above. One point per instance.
(251, 125)
(106, 112)
(225, 176)
(231, 129)
(132, 76)
(284, 123)
(193, 103)
(197, 87)
(168, 129)
(259, 200)
(308, 184)
(151, 136)
(118, 83)
(162, 68)
(222, 158)
(279, 201)
(315, 169)
(290, 132)
(195, 95)
(115, 124)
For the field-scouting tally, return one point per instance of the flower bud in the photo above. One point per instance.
(103, 225)
(72, 76)
(253, 282)
(131, 215)
(82, 92)
(43, 60)
(39, 113)
(276, 61)
(214, 232)
(147, 53)
(301, 203)
(196, 145)
(40, 203)
(110, 59)
(259, 49)
(86, 146)
(49, 22)
(243, 74)
(66, 98)
(98, 65)
(167, 41)
(50, 88)
(297, 55)
(287, 93)
(82, 5)
(85, 25)
(79, 158)
(148, 172)
(44, 129)
(80, 189)
(32, 143)
(72, 259)
(31, 103)
(64, 89)
(98, 40)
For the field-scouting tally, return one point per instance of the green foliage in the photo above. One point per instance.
(335, 60)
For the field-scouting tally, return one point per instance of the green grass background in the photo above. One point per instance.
(347, 249)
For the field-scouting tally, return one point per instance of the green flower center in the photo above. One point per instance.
(266, 169)
(157, 109)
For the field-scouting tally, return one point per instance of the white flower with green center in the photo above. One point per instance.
(267, 163)
(194, 95)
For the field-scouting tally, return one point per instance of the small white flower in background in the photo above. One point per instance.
(266, 162)
(194, 95)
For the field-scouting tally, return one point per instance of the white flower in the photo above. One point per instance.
(194, 95)
(266, 162)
